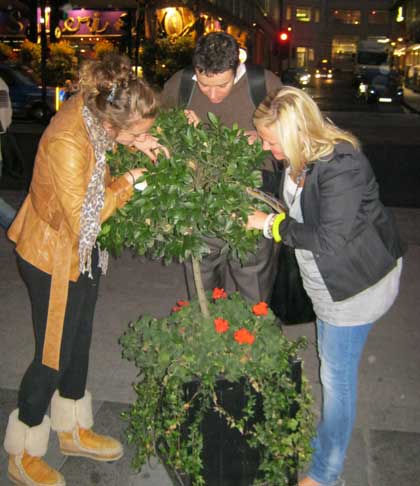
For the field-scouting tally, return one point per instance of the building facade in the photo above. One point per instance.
(254, 23)
(331, 29)
(406, 34)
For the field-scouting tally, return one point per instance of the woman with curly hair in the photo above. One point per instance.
(55, 233)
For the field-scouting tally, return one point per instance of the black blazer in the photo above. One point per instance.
(353, 237)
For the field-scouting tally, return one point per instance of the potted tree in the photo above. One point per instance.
(217, 345)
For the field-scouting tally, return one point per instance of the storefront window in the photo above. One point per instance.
(344, 50)
(413, 11)
(378, 17)
(304, 55)
(346, 16)
(303, 14)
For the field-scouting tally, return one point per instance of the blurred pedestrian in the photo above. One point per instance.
(7, 213)
(219, 83)
(11, 158)
(5, 116)
(347, 247)
(70, 88)
(55, 232)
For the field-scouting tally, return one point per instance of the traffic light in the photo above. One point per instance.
(283, 39)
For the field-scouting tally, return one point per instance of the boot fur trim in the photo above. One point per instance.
(20, 437)
(66, 414)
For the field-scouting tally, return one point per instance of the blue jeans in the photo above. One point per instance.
(339, 349)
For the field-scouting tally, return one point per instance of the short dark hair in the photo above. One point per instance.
(216, 53)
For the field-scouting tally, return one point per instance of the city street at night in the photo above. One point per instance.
(85, 88)
(385, 444)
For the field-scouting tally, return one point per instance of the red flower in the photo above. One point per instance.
(179, 305)
(260, 309)
(219, 294)
(221, 325)
(243, 336)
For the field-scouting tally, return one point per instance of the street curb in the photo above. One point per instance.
(411, 108)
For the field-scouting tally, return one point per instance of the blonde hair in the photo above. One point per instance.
(302, 132)
(113, 94)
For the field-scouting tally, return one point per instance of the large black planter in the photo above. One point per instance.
(227, 458)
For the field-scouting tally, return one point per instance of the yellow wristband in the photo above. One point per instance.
(276, 226)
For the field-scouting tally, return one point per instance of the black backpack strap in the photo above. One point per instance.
(256, 83)
(186, 86)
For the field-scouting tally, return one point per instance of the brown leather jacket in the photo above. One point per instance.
(46, 228)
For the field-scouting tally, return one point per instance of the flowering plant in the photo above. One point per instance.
(203, 190)
(237, 341)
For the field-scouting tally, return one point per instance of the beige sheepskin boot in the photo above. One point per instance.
(26, 446)
(73, 421)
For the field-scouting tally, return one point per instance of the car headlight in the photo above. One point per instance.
(304, 77)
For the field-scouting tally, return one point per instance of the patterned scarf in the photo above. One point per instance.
(90, 224)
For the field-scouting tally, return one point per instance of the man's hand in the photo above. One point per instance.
(150, 146)
(192, 117)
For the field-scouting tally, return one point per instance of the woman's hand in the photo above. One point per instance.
(192, 117)
(252, 136)
(256, 220)
(150, 146)
(132, 175)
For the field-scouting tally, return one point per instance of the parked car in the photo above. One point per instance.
(324, 70)
(380, 87)
(26, 94)
(296, 76)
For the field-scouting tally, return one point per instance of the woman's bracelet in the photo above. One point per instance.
(268, 223)
(276, 226)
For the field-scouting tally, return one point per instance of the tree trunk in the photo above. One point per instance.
(202, 299)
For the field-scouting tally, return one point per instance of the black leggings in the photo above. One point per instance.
(40, 382)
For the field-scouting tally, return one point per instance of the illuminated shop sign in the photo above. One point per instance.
(91, 22)
(79, 22)
(400, 14)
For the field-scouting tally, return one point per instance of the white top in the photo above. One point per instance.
(365, 307)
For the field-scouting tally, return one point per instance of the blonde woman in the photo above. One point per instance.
(55, 232)
(348, 251)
